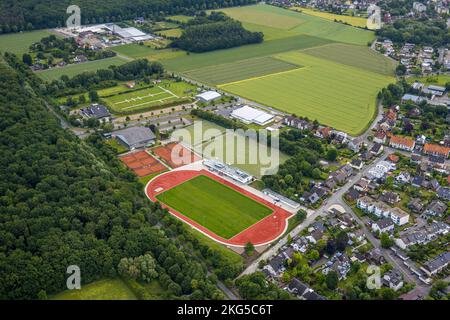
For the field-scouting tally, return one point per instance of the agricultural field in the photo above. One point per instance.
(194, 61)
(150, 97)
(107, 289)
(74, 69)
(355, 56)
(354, 21)
(19, 43)
(215, 206)
(301, 23)
(240, 70)
(337, 95)
(133, 50)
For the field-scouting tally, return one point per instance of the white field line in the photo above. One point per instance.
(140, 98)
(148, 102)
(168, 91)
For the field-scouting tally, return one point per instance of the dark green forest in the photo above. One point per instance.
(65, 202)
(421, 32)
(213, 32)
(19, 15)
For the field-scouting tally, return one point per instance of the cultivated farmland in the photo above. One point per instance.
(215, 206)
(355, 56)
(335, 94)
(240, 70)
(354, 21)
(195, 61)
(301, 23)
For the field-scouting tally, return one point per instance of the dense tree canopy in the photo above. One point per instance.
(213, 32)
(65, 202)
(18, 15)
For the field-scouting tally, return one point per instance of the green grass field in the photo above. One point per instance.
(195, 61)
(158, 95)
(108, 289)
(74, 69)
(19, 43)
(355, 56)
(439, 80)
(181, 18)
(240, 70)
(337, 95)
(133, 50)
(215, 206)
(301, 23)
(171, 33)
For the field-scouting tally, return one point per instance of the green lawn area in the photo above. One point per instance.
(107, 289)
(146, 179)
(120, 148)
(180, 18)
(19, 43)
(134, 50)
(215, 206)
(337, 95)
(440, 80)
(74, 69)
(183, 63)
(152, 97)
(174, 33)
(239, 70)
(355, 56)
(280, 18)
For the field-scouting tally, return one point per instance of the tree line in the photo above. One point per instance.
(69, 202)
(20, 15)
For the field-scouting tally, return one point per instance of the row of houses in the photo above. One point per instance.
(381, 209)
(422, 235)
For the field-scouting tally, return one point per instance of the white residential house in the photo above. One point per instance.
(403, 178)
(399, 217)
(384, 225)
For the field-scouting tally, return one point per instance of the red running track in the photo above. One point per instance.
(260, 233)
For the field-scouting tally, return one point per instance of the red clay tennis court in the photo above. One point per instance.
(175, 155)
(262, 232)
(142, 163)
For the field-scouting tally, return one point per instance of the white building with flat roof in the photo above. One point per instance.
(249, 115)
(208, 96)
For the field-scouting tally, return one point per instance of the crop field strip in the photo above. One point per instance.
(239, 70)
(215, 206)
(307, 24)
(355, 56)
(200, 60)
(335, 94)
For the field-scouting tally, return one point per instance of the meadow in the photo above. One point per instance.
(107, 289)
(19, 43)
(74, 69)
(134, 50)
(215, 206)
(335, 94)
(171, 33)
(240, 70)
(354, 21)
